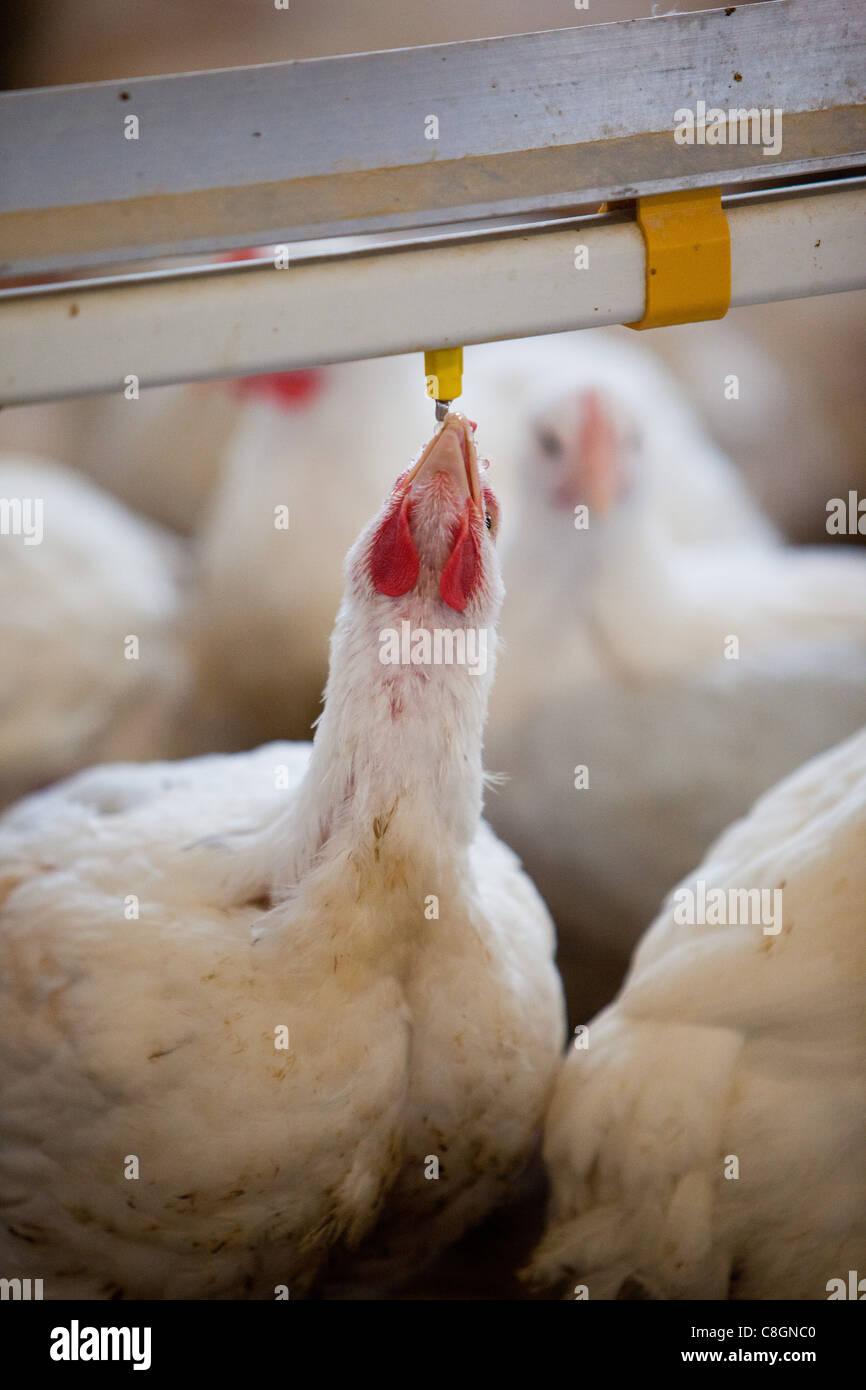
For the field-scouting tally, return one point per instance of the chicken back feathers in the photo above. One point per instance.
(707, 1142)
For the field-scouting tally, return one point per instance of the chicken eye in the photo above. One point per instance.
(550, 443)
(488, 521)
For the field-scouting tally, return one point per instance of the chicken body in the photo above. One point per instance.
(706, 1138)
(162, 926)
(162, 453)
(677, 683)
(95, 667)
(796, 426)
(159, 453)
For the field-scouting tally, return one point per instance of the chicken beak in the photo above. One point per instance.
(451, 451)
(596, 454)
(588, 471)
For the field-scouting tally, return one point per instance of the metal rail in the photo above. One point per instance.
(336, 146)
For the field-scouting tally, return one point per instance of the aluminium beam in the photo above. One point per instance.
(338, 146)
(250, 317)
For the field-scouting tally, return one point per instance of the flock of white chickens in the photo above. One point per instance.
(290, 1018)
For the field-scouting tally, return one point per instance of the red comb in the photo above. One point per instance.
(291, 389)
(245, 253)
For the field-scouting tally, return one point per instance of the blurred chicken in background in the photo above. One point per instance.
(91, 628)
(553, 407)
(797, 424)
(651, 687)
(160, 453)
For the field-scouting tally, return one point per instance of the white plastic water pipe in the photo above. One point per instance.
(250, 317)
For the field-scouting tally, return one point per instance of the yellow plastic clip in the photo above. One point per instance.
(688, 257)
(443, 369)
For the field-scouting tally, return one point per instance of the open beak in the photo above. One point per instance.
(451, 451)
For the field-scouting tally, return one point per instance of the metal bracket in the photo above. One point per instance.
(688, 257)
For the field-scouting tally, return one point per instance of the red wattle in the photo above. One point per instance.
(394, 562)
(462, 572)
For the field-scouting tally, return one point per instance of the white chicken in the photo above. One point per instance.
(94, 665)
(797, 423)
(651, 690)
(559, 403)
(163, 452)
(160, 453)
(299, 479)
(253, 1003)
(706, 1137)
